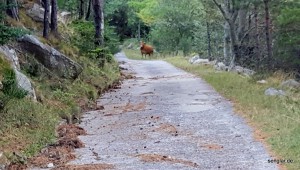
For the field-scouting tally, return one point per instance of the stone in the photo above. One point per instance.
(53, 60)
(130, 46)
(220, 66)
(291, 83)
(24, 83)
(238, 69)
(201, 61)
(64, 17)
(36, 12)
(11, 55)
(1, 85)
(22, 80)
(193, 59)
(274, 92)
(50, 165)
(262, 82)
(248, 72)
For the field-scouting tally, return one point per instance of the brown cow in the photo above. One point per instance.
(146, 49)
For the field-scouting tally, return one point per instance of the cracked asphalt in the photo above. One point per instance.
(165, 118)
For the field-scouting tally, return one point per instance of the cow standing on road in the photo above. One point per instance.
(146, 49)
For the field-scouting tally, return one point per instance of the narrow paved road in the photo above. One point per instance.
(168, 119)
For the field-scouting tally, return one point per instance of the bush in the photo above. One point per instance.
(84, 37)
(288, 48)
(10, 86)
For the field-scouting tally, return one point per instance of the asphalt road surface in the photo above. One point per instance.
(165, 118)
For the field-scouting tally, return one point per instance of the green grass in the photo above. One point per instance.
(275, 120)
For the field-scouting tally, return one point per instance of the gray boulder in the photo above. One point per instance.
(52, 59)
(238, 69)
(220, 66)
(22, 80)
(262, 82)
(64, 17)
(24, 83)
(36, 13)
(11, 56)
(274, 92)
(291, 83)
(193, 59)
(130, 46)
(248, 72)
(201, 61)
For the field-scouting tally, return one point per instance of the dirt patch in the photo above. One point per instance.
(62, 151)
(162, 158)
(127, 76)
(86, 167)
(129, 107)
(16, 167)
(167, 128)
(212, 146)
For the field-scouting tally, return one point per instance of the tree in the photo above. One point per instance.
(81, 9)
(287, 51)
(12, 9)
(99, 21)
(53, 24)
(267, 30)
(88, 13)
(46, 18)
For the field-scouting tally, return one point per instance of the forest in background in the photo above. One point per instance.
(263, 35)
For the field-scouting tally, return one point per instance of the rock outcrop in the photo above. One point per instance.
(22, 80)
(291, 83)
(36, 13)
(50, 58)
(274, 92)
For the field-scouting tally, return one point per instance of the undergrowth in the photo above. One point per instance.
(26, 125)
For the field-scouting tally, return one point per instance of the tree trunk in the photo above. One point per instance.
(53, 24)
(257, 49)
(99, 20)
(12, 9)
(234, 45)
(139, 31)
(88, 13)
(242, 19)
(267, 29)
(208, 40)
(230, 12)
(227, 49)
(81, 9)
(46, 19)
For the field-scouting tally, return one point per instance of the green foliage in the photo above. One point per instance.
(84, 33)
(101, 55)
(175, 25)
(10, 86)
(83, 36)
(68, 5)
(289, 37)
(8, 33)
